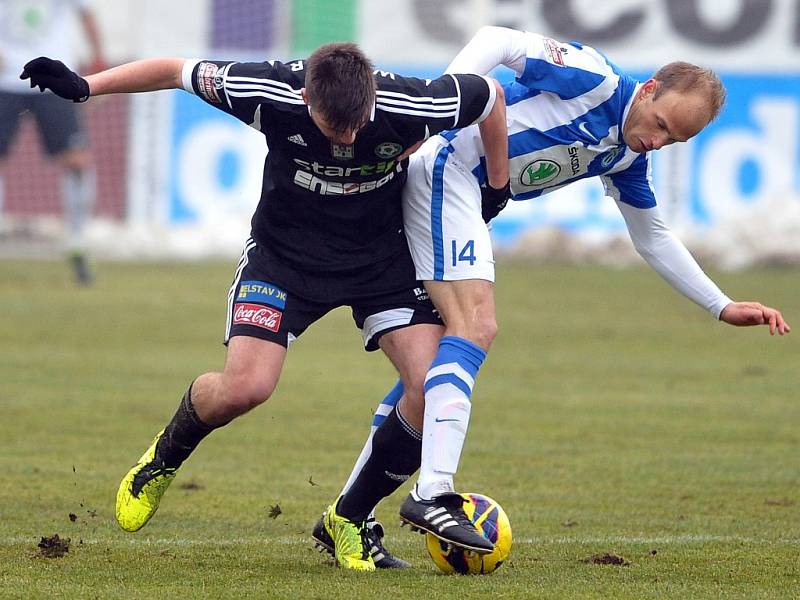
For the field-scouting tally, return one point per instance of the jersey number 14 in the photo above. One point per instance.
(467, 253)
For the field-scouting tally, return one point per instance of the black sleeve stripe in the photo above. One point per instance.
(267, 95)
(418, 112)
(417, 106)
(396, 96)
(225, 71)
(449, 108)
(279, 93)
(262, 81)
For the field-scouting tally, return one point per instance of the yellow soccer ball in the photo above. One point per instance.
(491, 520)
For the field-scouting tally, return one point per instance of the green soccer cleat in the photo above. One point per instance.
(350, 541)
(141, 489)
(381, 556)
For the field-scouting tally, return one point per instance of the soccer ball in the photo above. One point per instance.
(491, 520)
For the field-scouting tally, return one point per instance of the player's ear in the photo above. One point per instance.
(304, 95)
(649, 87)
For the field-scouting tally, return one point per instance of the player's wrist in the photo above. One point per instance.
(494, 199)
(82, 91)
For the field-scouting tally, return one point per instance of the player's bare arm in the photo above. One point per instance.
(138, 76)
(494, 134)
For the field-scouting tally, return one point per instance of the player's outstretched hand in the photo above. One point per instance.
(493, 200)
(47, 73)
(754, 313)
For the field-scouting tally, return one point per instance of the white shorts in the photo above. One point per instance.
(442, 212)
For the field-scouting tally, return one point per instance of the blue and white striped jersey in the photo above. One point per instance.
(565, 113)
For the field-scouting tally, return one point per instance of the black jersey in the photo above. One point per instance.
(329, 208)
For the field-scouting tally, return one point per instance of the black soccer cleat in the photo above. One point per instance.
(380, 555)
(444, 517)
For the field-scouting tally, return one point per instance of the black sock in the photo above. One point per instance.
(396, 455)
(182, 435)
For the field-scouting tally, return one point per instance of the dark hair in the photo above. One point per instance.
(685, 77)
(340, 85)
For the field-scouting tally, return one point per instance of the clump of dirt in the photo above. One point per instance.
(607, 558)
(779, 502)
(190, 485)
(274, 511)
(569, 523)
(53, 546)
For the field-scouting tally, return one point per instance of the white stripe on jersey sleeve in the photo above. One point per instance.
(423, 107)
(252, 93)
(458, 91)
(186, 74)
(260, 83)
(388, 96)
(417, 112)
(416, 105)
(251, 87)
(490, 102)
(546, 110)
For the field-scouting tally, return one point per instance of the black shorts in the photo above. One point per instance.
(56, 118)
(260, 306)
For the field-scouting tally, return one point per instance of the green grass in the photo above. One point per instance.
(611, 416)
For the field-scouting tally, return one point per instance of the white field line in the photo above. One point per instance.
(305, 541)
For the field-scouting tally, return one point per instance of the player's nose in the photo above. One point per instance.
(657, 142)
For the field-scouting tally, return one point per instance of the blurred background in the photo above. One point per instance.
(177, 179)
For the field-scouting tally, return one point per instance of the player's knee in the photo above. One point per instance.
(77, 161)
(244, 394)
(483, 330)
(412, 407)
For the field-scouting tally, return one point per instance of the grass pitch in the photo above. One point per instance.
(612, 418)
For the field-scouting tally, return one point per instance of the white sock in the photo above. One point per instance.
(448, 392)
(78, 190)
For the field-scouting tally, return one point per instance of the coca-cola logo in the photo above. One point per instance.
(258, 315)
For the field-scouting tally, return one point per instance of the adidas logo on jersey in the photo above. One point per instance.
(297, 139)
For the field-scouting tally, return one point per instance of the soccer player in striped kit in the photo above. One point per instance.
(327, 232)
(571, 114)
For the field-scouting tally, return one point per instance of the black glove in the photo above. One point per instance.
(494, 200)
(55, 75)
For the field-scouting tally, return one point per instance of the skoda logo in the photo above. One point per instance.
(388, 150)
(539, 172)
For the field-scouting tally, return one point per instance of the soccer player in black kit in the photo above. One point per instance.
(327, 232)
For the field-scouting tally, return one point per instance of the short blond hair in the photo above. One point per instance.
(685, 77)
